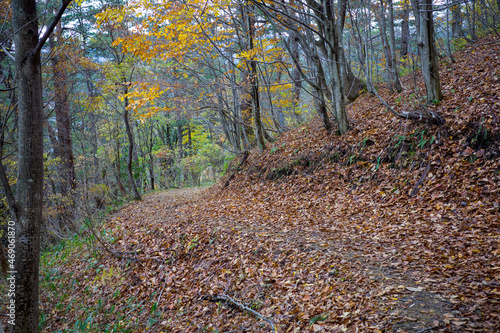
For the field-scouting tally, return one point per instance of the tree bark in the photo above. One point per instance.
(61, 108)
(29, 194)
(151, 159)
(394, 65)
(405, 31)
(190, 140)
(448, 37)
(333, 32)
(456, 19)
(64, 148)
(30, 165)
(320, 87)
(254, 79)
(427, 46)
(130, 136)
(123, 192)
(498, 8)
(296, 77)
(179, 140)
(385, 45)
(415, 7)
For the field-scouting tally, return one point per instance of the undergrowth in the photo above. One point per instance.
(84, 249)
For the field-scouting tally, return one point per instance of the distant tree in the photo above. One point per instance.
(64, 145)
(405, 30)
(392, 36)
(456, 20)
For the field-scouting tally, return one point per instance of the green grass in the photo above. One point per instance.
(65, 292)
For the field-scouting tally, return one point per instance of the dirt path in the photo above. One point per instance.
(405, 305)
(187, 249)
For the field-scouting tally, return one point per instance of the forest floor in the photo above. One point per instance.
(392, 227)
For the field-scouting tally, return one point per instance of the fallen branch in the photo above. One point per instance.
(108, 248)
(430, 329)
(428, 115)
(421, 180)
(232, 303)
(243, 160)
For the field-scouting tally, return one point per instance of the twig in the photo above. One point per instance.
(421, 180)
(118, 254)
(159, 296)
(429, 329)
(237, 305)
(244, 158)
(308, 175)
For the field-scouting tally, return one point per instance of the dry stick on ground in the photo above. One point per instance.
(421, 180)
(237, 305)
(161, 292)
(118, 254)
(428, 115)
(429, 329)
(243, 160)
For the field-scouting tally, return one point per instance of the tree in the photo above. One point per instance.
(130, 137)
(332, 29)
(428, 53)
(64, 146)
(29, 191)
(405, 29)
(456, 21)
(121, 71)
(326, 30)
(254, 79)
(394, 66)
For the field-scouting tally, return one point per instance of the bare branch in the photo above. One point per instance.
(52, 26)
(235, 304)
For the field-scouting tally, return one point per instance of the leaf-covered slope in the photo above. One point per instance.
(394, 226)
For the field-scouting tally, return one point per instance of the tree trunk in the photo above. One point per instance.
(333, 32)
(93, 142)
(64, 148)
(394, 66)
(319, 99)
(296, 77)
(135, 161)
(472, 25)
(498, 8)
(427, 46)
(179, 140)
(128, 130)
(259, 129)
(190, 140)
(387, 50)
(181, 151)
(275, 112)
(63, 119)
(456, 19)
(415, 7)
(151, 160)
(30, 166)
(448, 37)
(405, 31)
(123, 192)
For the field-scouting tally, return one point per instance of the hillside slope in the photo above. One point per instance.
(393, 227)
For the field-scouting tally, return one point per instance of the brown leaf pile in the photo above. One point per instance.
(393, 227)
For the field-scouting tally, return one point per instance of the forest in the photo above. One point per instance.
(250, 166)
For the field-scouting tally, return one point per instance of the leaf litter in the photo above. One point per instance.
(392, 227)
